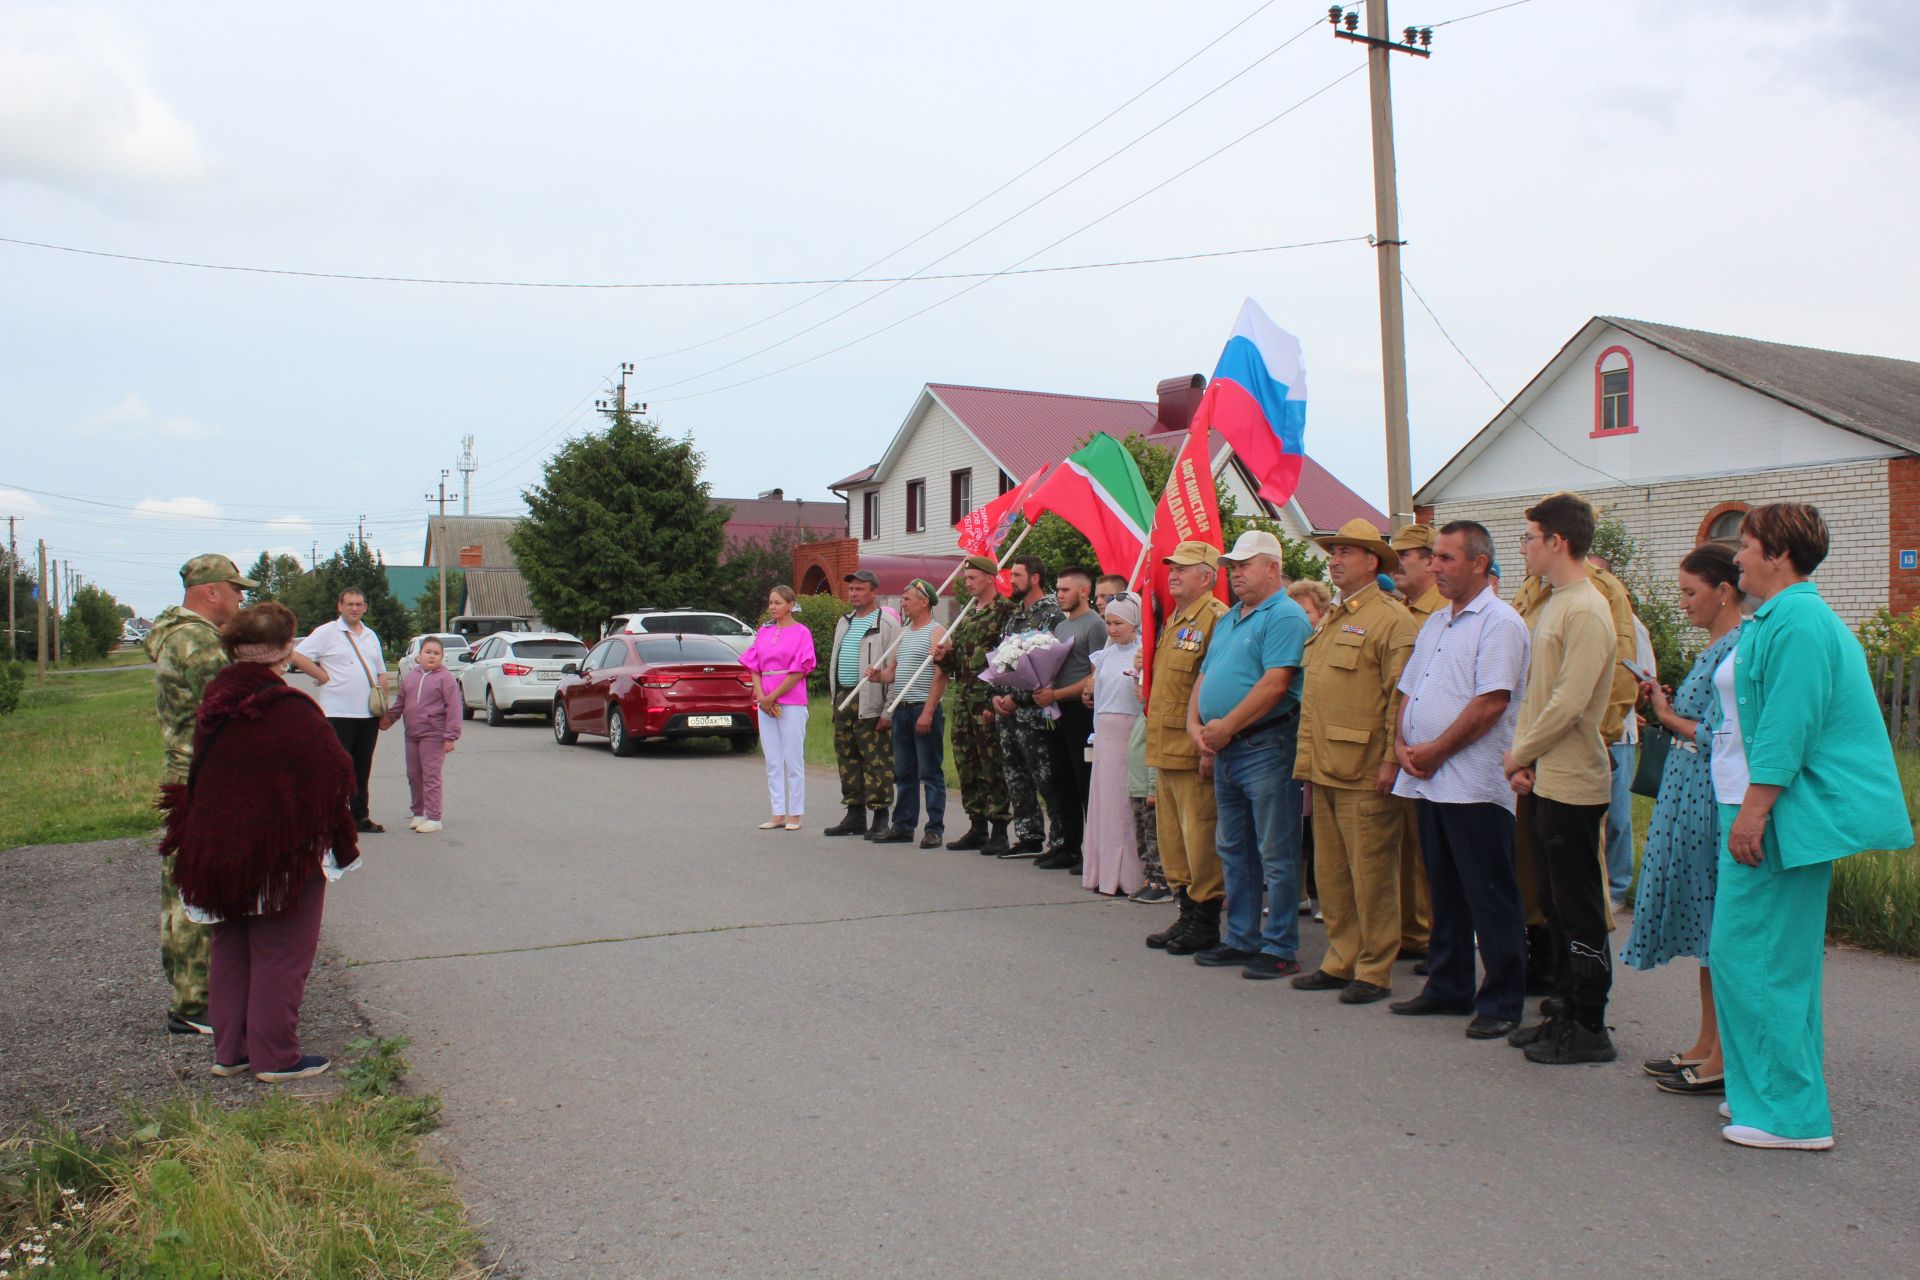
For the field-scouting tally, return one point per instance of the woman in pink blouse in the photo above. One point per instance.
(778, 661)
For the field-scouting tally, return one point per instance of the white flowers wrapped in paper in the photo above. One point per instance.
(1027, 660)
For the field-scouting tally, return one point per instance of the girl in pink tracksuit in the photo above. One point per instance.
(429, 701)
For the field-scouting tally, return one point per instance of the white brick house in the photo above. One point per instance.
(1677, 432)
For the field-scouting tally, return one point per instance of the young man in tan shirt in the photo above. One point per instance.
(1559, 757)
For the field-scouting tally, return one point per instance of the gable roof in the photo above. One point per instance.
(755, 518)
(495, 587)
(1874, 396)
(1022, 431)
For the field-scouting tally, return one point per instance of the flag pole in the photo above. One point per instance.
(855, 691)
(964, 610)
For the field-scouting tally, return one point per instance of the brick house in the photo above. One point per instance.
(959, 447)
(1677, 433)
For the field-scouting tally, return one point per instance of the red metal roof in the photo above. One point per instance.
(1028, 429)
(755, 518)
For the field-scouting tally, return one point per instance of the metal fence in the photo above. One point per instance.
(1896, 682)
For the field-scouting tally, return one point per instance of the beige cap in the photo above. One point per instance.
(1194, 553)
(1415, 537)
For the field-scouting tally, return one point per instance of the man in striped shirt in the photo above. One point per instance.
(1456, 723)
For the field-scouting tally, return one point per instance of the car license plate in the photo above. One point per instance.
(549, 675)
(709, 722)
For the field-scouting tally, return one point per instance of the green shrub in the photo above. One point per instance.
(13, 676)
(821, 613)
(1891, 635)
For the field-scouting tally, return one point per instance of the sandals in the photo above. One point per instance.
(1671, 1065)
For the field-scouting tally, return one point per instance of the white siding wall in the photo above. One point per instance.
(935, 447)
(1691, 424)
(1665, 518)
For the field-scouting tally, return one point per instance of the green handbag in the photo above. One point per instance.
(1655, 742)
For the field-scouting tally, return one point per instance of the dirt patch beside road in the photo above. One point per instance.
(84, 1011)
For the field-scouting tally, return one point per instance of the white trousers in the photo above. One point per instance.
(783, 741)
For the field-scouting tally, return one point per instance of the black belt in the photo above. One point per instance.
(1271, 722)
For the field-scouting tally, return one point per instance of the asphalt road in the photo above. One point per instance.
(670, 1044)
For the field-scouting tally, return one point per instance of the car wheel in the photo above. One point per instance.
(743, 743)
(466, 712)
(561, 733)
(495, 716)
(617, 736)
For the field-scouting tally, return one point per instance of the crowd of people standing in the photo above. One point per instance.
(1439, 774)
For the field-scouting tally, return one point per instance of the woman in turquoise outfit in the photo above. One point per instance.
(1673, 908)
(1806, 777)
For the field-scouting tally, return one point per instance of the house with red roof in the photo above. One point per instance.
(960, 447)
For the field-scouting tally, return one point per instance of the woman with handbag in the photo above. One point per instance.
(1673, 913)
(354, 697)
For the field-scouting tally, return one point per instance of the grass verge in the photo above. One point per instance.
(280, 1188)
(80, 760)
(820, 745)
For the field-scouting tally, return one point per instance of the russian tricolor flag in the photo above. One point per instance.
(1257, 401)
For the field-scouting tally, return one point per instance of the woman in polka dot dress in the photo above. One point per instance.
(1673, 908)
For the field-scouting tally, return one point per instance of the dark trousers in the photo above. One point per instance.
(259, 977)
(917, 767)
(1468, 850)
(1073, 771)
(359, 735)
(1573, 893)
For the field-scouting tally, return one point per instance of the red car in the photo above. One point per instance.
(666, 686)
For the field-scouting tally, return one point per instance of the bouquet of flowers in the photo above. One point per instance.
(1027, 660)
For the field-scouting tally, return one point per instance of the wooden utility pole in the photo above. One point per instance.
(40, 610)
(440, 539)
(53, 605)
(1387, 242)
(13, 560)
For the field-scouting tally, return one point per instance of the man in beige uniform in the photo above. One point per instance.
(1184, 811)
(1414, 577)
(1349, 705)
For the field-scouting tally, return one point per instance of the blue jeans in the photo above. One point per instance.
(1258, 835)
(917, 763)
(1620, 822)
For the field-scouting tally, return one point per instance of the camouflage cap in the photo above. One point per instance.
(201, 570)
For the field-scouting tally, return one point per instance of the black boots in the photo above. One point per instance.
(975, 837)
(997, 842)
(1158, 941)
(1203, 933)
(854, 824)
(882, 819)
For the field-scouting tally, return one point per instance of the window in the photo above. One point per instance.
(694, 624)
(870, 514)
(916, 506)
(959, 495)
(1613, 393)
(1722, 525)
(602, 655)
(685, 649)
(1006, 482)
(566, 650)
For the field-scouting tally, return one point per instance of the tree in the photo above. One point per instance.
(753, 567)
(92, 625)
(426, 608)
(277, 576)
(314, 597)
(621, 520)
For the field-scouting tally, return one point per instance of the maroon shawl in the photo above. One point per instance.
(267, 796)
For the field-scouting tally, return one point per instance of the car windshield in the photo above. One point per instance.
(563, 649)
(684, 649)
(694, 624)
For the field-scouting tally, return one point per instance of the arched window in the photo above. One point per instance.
(1722, 525)
(1613, 393)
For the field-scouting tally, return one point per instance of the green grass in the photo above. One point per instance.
(80, 760)
(281, 1187)
(820, 741)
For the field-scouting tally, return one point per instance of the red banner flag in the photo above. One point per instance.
(982, 530)
(1189, 511)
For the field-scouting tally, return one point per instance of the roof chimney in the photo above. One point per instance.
(773, 495)
(1179, 400)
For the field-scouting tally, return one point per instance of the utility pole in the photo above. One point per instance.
(363, 533)
(54, 605)
(313, 557)
(13, 560)
(40, 611)
(1386, 240)
(468, 465)
(440, 537)
(618, 409)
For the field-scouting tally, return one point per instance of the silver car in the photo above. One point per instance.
(453, 644)
(514, 673)
(724, 627)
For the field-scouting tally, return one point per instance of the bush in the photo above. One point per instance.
(821, 613)
(13, 676)
(1891, 635)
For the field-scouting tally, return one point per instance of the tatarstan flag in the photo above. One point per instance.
(1098, 490)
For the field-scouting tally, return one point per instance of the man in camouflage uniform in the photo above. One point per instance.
(862, 641)
(976, 752)
(185, 647)
(1026, 734)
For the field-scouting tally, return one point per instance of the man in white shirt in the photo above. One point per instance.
(349, 652)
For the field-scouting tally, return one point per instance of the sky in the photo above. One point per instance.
(1747, 168)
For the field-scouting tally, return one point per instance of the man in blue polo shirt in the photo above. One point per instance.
(1245, 713)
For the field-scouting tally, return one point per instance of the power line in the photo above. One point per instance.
(1468, 17)
(1506, 404)
(1272, 120)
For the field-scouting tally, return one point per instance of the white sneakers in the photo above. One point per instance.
(1746, 1136)
(426, 825)
(415, 821)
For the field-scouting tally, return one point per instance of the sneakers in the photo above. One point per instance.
(413, 823)
(310, 1065)
(1153, 893)
(1265, 968)
(428, 826)
(1747, 1136)
(1224, 957)
(1571, 1043)
(223, 1070)
(197, 1025)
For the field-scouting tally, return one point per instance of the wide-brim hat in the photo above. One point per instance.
(1361, 533)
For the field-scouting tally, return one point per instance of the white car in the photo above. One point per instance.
(454, 645)
(724, 627)
(514, 673)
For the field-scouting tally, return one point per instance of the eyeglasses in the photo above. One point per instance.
(1529, 538)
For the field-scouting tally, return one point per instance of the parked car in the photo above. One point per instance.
(724, 627)
(514, 673)
(477, 626)
(657, 686)
(454, 645)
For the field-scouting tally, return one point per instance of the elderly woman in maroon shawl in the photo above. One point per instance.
(263, 819)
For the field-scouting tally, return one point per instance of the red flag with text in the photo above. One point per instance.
(982, 530)
(1189, 511)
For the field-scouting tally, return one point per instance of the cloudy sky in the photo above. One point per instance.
(1748, 168)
